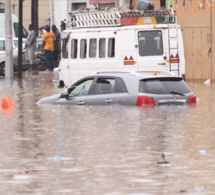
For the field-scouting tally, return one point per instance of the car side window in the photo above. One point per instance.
(120, 86)
(80, 89)
(104, 86)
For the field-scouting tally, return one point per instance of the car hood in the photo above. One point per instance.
(49, 100)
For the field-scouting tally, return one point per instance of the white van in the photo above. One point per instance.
(121, 41)
(15, 26)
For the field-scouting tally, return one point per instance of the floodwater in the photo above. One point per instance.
(105, 150)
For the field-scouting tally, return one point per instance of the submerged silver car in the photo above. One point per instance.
(126, 88)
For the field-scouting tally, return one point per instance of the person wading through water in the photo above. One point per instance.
(48, 45)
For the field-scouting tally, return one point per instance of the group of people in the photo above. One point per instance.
(51, 46)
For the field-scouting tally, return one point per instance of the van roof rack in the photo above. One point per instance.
(116, 17)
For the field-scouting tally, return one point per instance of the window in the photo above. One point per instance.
(93, 47)
(183, 4)
(80, 89)
(201, 4)
(150, 43)
(74, 48)
(164, 86)
(111, 47)
(176, 3)
(64, 48)
(16, 30)
(83, 48)
(120, 86)
(102, 47)
(2, 45)
(191, 4)
(39, 46)
(104, 86)
(16, 43)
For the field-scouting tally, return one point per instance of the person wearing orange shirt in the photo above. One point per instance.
(48, 46)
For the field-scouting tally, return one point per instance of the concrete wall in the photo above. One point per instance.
(58, 12)
(44, 11)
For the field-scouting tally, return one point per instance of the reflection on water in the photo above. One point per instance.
(105, 149)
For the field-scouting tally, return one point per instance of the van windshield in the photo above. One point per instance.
(150, 43)
(16, 29)
(164, 85)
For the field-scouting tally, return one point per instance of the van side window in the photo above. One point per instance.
(64, 48)
(92, 49)
(102, 47)
(83, 48)
(74, 48)
(111, 47)
(150, 43)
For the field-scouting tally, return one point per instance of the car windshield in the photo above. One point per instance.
(80, 89)
(171, 85)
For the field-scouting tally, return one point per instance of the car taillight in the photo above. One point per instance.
(192, 100)
(145, 101)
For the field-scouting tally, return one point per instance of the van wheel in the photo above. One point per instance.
(2, 69)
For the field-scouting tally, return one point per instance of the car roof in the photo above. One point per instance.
(138, 74)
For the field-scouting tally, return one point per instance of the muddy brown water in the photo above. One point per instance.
(109, 150)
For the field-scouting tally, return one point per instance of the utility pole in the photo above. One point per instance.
(20, 39)
(211, 40)
(34, 15)
(8, 41)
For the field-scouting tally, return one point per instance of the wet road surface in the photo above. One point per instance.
(109, 150)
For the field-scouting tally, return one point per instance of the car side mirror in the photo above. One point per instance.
(64, 94)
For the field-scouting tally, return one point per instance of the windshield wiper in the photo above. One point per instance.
(177, 93)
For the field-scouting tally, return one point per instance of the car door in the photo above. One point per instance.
(102, 92)
(79, 91)
(122, 96)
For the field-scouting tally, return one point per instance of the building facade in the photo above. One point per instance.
(43, 9)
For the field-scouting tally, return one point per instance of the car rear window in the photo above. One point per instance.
(163, 86)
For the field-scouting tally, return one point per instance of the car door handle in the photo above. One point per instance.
(108, 101)
(81, 103)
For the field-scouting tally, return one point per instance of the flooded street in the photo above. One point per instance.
(109, 150)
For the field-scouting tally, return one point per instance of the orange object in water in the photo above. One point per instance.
(7, 103)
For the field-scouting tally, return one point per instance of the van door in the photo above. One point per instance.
(64, 69)
(151, 50)
(128, 50)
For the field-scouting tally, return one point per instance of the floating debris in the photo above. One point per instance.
(163, 161)
(203, 151)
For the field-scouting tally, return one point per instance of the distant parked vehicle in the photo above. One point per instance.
(39, 63)
(120, 40)
(25, 65)
(140, 88)
(14, 26)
